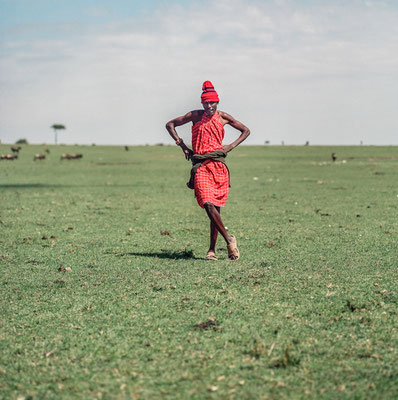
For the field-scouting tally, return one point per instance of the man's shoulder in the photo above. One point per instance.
(223, 114)
(197, 115)
(225, 118)
(198, 112)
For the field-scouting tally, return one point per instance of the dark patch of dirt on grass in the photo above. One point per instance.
(351, 306)
(210, 324)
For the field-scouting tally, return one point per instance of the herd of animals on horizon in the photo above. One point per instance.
(38, 156)
(65, 156)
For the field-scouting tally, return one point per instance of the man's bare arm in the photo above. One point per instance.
(191, 116)
(245, 131)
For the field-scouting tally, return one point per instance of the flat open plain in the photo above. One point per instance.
(105, 292)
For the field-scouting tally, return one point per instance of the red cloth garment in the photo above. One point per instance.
(208, 93)
(211, 178)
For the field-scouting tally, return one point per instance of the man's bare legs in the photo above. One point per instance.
(216, 225)
(213, 233)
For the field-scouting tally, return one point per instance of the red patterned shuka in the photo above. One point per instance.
(211, 178)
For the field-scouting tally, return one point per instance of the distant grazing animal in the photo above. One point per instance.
(47, 151)
(71, 156)
(126, 148)
(39, 157)
(334, 156)
(15, 149)
(9, 156)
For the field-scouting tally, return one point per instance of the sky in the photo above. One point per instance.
(115, 71)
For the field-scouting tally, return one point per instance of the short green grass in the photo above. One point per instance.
(105, 292)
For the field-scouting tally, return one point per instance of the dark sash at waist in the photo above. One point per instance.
(198, 159)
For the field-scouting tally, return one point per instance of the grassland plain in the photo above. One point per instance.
(105, 292)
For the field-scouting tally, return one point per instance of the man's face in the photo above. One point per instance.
(210, 107)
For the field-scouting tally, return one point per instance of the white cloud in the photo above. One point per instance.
(324, 73)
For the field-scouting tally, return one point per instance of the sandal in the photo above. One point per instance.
(211, 255)
(233, 251)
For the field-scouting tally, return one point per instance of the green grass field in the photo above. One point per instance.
(105, 292)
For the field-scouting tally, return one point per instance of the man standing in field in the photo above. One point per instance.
(210, 175)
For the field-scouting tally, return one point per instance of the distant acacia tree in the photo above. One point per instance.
(57, 127)
(21, 141)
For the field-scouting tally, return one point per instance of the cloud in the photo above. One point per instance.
(323, 72)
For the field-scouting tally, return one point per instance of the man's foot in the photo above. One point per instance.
(233, 251)
(211, 255)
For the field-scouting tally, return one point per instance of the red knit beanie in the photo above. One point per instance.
(209, 93)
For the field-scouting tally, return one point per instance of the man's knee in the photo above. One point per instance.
(208, 205)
